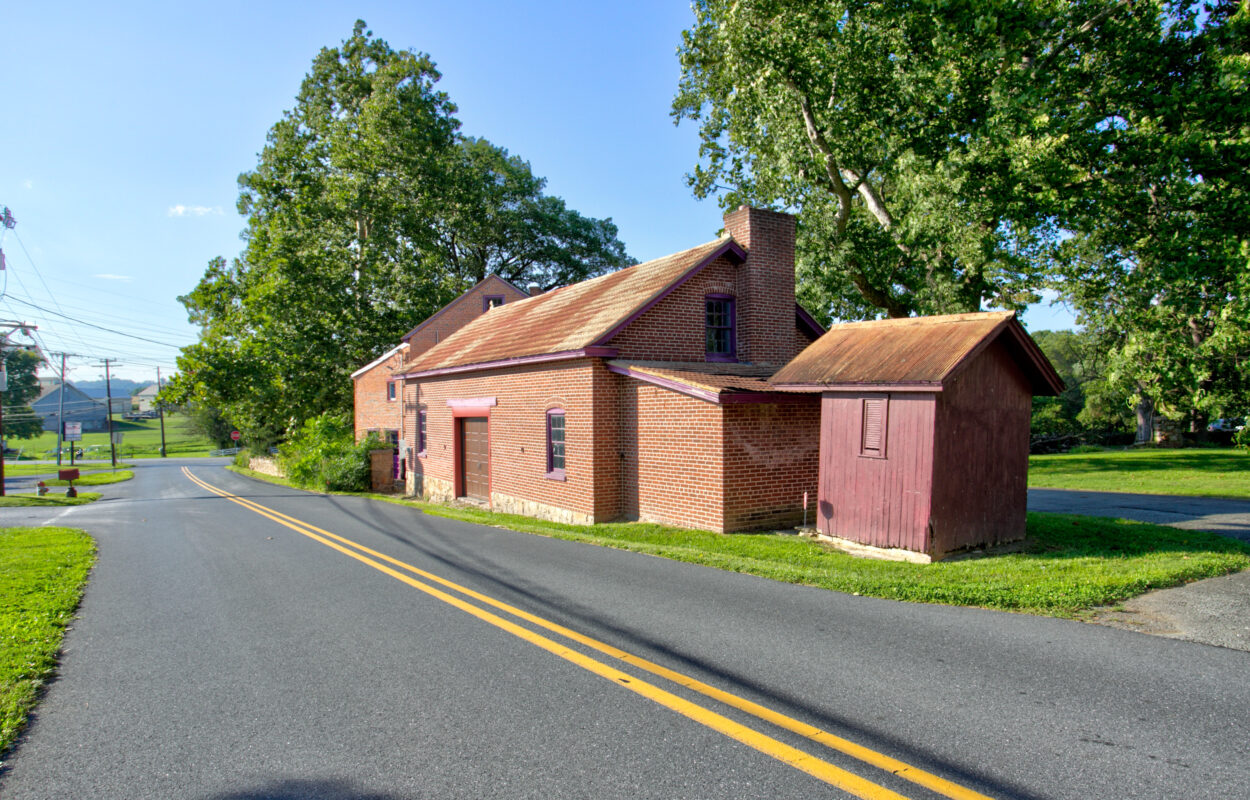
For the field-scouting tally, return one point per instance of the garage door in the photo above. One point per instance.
(475, 457)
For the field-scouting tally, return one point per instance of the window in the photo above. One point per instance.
(420, 431)
(490, 301)
(555, 444)
(873, 426)
(720, 327)
(390, 391)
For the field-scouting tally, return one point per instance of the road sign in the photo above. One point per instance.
(117, 437)
(73, 431)
(235, 435)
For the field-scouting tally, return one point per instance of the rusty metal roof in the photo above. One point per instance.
(568, 319)
(913, 352)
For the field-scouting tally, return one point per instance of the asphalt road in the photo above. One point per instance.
(224, 652)
(1227, 517)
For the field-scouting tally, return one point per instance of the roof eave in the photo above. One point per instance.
(564, 355)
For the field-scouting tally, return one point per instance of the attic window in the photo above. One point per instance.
(390, 391)
(721, 328)
(874, 417)
(490, 301)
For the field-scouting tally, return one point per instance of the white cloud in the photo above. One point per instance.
(193, 211)
(108, 276)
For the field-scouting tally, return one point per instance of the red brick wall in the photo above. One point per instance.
(458, 313)
(518, 431)
(771, 457)
(373, 410)
(673, 451)
(674, 328)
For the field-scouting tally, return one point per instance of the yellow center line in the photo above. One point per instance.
(704, 716)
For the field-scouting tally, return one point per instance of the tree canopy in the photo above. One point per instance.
(367, 212)
(20, 420)
(951, 156)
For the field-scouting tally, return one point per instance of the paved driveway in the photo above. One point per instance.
(1227, 517)
(1215, 611)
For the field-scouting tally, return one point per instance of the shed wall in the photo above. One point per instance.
(982, 454)
(883, 502)
(374, 412)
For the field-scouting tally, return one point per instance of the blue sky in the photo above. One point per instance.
(125, 126)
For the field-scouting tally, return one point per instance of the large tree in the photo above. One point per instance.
(20, 364)
(914, 138)
(367, 212)
(1159, 207)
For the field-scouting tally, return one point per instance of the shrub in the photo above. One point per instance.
(243, 458)
(1242, 438)
(323, 454)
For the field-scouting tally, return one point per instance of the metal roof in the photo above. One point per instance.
(912, 352)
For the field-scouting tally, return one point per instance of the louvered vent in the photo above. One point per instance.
(872, 442)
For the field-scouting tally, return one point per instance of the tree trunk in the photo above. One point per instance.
(1145, 421)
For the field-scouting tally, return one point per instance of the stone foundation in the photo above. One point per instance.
(436, 490)
(531, 508)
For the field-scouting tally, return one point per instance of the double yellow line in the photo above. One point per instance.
(818, 768)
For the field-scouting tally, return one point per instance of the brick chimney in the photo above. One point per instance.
(765, 307)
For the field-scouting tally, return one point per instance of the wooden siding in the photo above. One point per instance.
(879, 501)
(982, 454)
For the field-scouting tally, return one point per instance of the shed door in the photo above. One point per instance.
(475, 457)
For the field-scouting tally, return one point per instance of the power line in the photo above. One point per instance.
(93, 325)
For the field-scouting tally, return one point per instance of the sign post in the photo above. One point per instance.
(73, 434)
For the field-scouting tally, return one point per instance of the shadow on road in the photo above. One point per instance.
(303, 790)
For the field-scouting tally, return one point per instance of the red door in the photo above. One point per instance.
(475, 457)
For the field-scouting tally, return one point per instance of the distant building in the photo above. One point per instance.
(145, 399)
(76, 407)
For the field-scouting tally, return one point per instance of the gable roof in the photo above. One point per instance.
(912, 353)
(713, 382)
(480, 285)
(379, 360)
(571, 321)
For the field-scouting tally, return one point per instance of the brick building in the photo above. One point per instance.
(377, 395)
(640, 394)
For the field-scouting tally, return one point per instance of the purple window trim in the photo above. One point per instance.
(422, 432)
(553, 472)
(731, 311)
(486, 298)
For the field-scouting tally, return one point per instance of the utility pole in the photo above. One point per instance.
(108, 412)
(60, 416)
(160, 409)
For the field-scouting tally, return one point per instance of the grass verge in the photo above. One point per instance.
(95, 478)
(140, 439)
(17, 469)
(83, 498)
(1067, 566)
(42, 573)
(1197, 472)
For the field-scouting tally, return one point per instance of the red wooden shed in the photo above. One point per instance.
(924, 433)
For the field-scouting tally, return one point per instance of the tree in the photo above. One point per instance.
(367, 212)
(20, 420)
(1159, 260)
(915, 139)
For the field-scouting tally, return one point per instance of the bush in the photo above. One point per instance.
(323, 454)
(243, 458)
(1242, 438)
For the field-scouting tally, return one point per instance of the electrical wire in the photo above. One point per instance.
(93, 325)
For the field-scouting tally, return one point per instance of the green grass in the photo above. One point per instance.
(141, 439)
(50, 499)
(1198, 472)
(95, 479)
(20, 469)
(1068, 565)
(42, 573)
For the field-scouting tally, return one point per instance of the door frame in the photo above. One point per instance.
(469, 407)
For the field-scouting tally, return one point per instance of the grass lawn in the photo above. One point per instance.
(95, 478)
(141, 439)
(1068, 566)
(1198, 472)
(16, 469)
(50, 499)
(42, 572)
